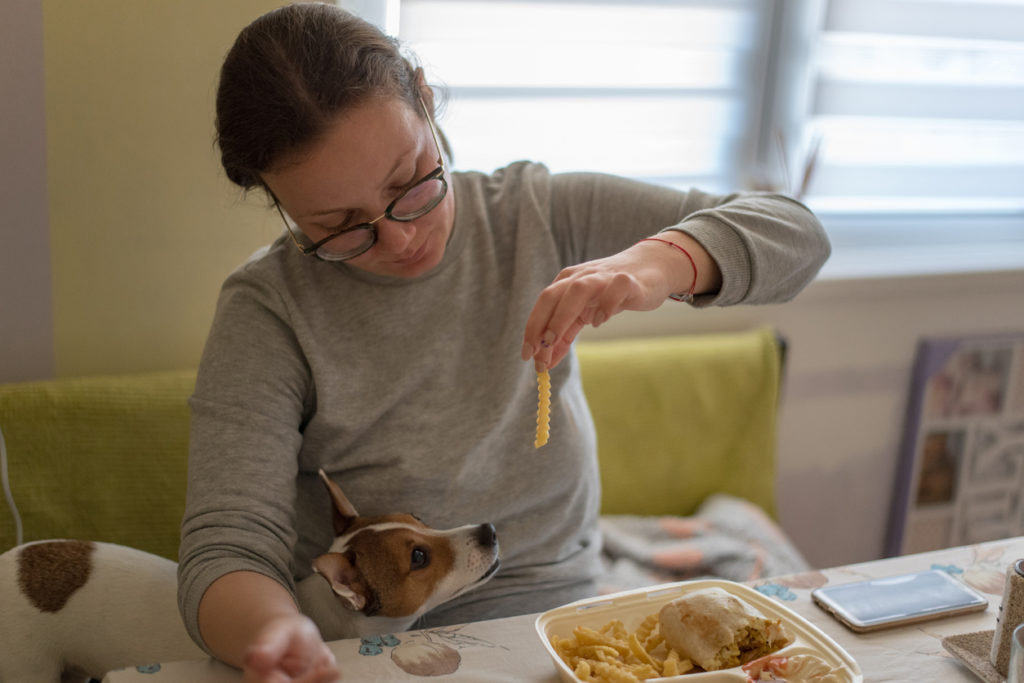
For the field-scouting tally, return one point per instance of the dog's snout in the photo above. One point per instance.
(486, 535)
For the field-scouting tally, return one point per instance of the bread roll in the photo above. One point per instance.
(717, 630)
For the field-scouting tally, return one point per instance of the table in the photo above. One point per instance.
(509, 649)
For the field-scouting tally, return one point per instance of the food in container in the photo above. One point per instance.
(808, 655)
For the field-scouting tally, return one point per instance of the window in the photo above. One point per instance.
(919, 106)
(912, 111)
(653, 90)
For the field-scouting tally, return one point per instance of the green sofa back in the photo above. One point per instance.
(678, 418)
(101, 458)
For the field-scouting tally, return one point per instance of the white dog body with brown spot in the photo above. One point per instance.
(85, 608)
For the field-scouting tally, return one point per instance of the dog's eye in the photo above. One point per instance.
(420, 558)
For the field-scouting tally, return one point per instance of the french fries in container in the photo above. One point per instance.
(616, 639)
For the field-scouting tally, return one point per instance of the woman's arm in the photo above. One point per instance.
(747, 248)
(238, 535)
(639, 278)
(250, 621)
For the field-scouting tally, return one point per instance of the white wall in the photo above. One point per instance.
(851, 351)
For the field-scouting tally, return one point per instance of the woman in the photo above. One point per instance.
(391, 334)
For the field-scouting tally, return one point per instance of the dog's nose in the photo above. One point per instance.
(486, 535)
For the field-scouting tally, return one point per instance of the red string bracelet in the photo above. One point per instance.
(688, 297)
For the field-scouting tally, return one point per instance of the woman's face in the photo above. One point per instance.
(368, 157)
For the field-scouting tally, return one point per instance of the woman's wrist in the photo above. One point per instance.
(235, 609)
(686, 297)
(693, 271)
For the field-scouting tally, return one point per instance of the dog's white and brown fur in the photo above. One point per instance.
(390, 570)
(80, 608)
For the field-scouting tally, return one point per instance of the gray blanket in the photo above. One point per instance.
(728, 538)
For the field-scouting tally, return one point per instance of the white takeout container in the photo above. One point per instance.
(631, 607)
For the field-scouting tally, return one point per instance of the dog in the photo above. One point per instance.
(81, 608)
(388, 571)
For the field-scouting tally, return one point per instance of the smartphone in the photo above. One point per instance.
(897, 600)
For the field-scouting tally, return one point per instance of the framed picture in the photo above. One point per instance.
(961, 473)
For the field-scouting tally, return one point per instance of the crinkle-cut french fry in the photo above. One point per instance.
(638, 650)
(614, 654)
(674, 665)
(653, 641)
(646, 627)
(601, 653)
(582, 670)
(543, 408)
(615, 628)
(588, 636)
(613, 674)
(670, 667)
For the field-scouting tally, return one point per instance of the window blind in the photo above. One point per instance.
(919, 106)
(662, 91)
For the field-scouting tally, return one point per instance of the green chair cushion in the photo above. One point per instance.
(680, 418)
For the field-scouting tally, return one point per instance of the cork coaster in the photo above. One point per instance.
(972, 649)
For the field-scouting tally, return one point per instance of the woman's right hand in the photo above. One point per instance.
(289, 649)
(639, 278)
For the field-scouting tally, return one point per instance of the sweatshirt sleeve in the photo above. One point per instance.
(247, 409)
(768, 246)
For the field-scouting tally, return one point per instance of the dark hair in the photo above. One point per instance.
(288, 76)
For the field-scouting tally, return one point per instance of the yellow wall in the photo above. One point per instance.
(144, 225)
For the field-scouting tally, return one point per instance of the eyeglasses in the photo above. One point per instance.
(420, 198)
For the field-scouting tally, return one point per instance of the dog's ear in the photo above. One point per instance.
(343, 511)
(344, 578)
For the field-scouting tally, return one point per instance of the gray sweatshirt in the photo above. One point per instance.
(411, 393)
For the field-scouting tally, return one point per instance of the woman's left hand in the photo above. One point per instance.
(290, 649)
(639, 278)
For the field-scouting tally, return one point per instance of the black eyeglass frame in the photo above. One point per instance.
(436, 174)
